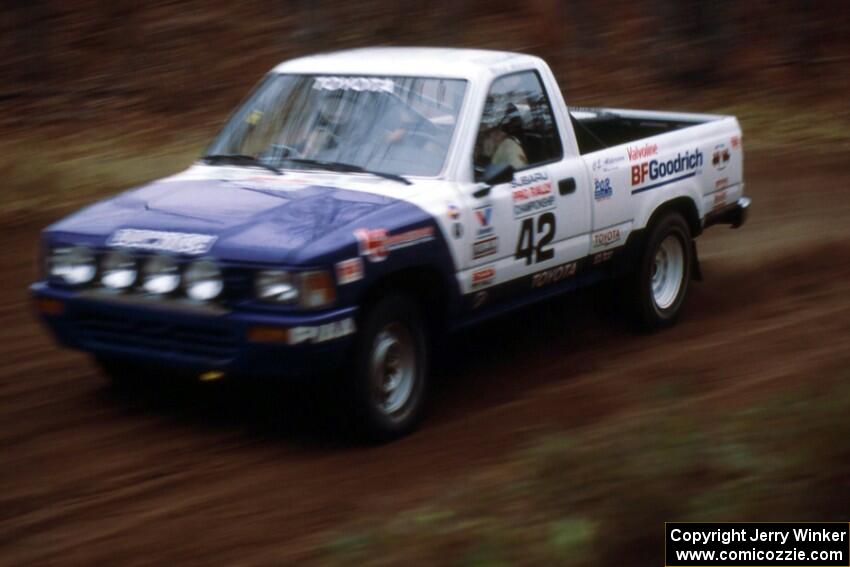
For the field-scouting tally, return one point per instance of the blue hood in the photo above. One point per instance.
(294, 225)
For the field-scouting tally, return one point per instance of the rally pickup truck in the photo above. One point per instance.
(360, 205)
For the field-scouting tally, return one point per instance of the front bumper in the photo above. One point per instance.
(198, 340)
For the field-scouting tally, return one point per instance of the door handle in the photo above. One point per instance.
(567, 186)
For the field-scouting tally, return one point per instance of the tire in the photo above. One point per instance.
(661, 279)
(389, 385)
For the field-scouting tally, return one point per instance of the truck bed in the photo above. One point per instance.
(600, 128)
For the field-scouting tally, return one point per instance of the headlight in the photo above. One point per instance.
(160, 275)
(311, 290)
(73, 265)
(272, 285)
(202, 280)
(118, 270)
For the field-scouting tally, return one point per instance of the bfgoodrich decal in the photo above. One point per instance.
(656, 172)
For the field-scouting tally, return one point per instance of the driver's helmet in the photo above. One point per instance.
(500, 114)
(336, 107)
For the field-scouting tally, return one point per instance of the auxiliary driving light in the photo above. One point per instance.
(73, 265)
(160, 275)
(118, 270)
(202, 280)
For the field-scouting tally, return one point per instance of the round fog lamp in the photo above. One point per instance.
(202, 280)
(160, 275)
(118, 270)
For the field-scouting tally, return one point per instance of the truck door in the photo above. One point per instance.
(531, 230)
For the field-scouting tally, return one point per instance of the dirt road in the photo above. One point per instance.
(208, 475)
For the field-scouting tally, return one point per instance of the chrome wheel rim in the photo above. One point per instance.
(393, 368)
(668, 270)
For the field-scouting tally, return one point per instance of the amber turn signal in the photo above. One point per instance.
(264, 334)
(47, 306)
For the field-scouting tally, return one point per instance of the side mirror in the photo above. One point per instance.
(494, 174)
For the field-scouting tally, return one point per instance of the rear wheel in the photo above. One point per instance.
(660, 282)
(391, 367)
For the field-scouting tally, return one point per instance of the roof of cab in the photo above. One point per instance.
(408, 61)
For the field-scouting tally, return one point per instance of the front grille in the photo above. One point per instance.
(210, 342)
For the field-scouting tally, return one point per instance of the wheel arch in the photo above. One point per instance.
(685, 206)
(426, 284)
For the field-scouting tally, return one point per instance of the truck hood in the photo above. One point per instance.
(255, 218)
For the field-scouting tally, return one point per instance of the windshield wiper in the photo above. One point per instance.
(348, 168)
(238, 159)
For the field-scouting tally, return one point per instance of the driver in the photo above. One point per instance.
(496, 144)
(334, 118)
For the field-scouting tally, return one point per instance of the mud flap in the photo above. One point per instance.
(696, 270)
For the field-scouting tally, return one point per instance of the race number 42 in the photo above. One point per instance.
(533, 242)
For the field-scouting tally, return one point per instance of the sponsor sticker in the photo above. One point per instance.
(176, 242)
(264, 182)
(720, 157)
(553, 275)
(484, 248)
(376, 244)
(607, 164)
(719, 200)
(686, 163)
(349, 271)
(373, 84)
(532, 194)
(602, 257)
(483, 277)
(457, 230)
(641, 152)
(602, 189)
(606, 237)
(484, 221)
(322, 333)
(453, 211)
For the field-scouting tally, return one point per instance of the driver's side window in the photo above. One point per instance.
(517, 127)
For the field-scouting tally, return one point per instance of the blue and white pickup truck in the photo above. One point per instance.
(360, 203)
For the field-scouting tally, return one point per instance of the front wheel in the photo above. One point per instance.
(660, 281)
(121, 375)
(391, 368)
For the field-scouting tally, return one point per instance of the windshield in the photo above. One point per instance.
(397, 125)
